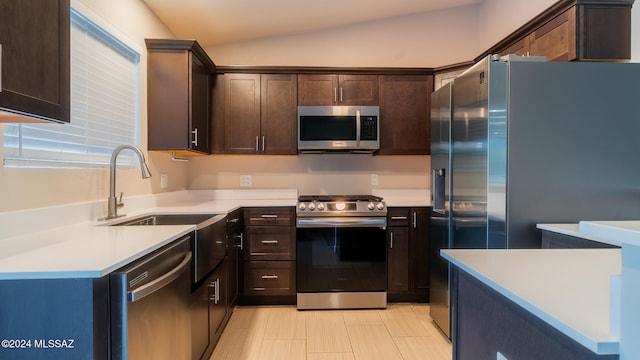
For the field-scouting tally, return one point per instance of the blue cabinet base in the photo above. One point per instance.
(54, 319)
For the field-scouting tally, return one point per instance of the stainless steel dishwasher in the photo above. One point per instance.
(150, 306)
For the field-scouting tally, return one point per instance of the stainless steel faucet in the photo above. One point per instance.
(113, 203)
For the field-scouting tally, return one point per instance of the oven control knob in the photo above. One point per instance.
(320, 206)
(380, 206)
(371, 206)
(312, 206)
(302, 206)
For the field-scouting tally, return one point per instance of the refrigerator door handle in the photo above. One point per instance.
(465, 222)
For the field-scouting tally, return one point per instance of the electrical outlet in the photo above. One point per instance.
(374, 179)
(163, 181)
(245, 180)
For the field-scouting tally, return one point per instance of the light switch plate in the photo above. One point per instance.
(245, 180)
(163, 181)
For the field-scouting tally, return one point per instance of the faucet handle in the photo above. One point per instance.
(119, 202)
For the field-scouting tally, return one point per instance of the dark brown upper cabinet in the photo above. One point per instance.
(405, 114)
(259, 115)
(180, 82)
(574, 31)
(34, 61)
(330, 89)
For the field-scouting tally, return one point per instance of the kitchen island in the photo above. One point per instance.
(534, 304)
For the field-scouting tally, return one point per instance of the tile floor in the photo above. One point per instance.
(402, 331)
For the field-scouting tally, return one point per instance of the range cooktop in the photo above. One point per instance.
(341, 205)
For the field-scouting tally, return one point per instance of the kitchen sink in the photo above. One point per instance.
(209, 245)
(201, 220)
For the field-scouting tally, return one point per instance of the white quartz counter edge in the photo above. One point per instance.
(568, 289)
(93, 249)
(574, 230)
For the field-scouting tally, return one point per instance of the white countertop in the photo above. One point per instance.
(68, 242)
(567, 288)
(91, 248)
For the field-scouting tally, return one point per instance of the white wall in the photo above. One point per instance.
(635, 32)
(499, 18)
(420, 40)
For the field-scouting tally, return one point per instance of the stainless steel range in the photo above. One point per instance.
(341, 252)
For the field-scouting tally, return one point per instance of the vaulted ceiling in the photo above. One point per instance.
(215, 22)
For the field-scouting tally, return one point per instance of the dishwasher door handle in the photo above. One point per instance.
(160, 282)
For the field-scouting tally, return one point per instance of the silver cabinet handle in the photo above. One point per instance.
(341, 95)
(398, 218)
(257, 143)
(233, 221)
(262, 143)
(357, 122)
(269, 216)
(241, 237)
(160, 282)
(269, 276)
(391, 234)
(269, 241)
(258, 289)
(216, 291)
(195, 137)
(415, 219)
(335, 95)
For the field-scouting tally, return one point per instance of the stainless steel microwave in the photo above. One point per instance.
(338, 129)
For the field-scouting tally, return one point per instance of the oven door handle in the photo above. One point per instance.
(326, 222)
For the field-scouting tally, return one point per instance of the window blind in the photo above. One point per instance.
(104, 107)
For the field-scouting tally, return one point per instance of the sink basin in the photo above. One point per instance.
(209, 245)
(201, 220)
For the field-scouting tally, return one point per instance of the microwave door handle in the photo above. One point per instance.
(358, 128)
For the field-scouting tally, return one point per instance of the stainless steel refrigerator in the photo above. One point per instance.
(519, 141)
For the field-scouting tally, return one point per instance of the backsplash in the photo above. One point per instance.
(310, 173)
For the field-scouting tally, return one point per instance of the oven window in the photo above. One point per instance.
(341, 259)
(331, 128)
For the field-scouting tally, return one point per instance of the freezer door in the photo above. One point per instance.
(439, 238)
(441, 148)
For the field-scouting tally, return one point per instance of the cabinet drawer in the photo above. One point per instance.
(398, 216)
(270, 278)
(271, 243)
(269, 216)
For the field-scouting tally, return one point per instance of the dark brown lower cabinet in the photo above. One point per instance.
(210, 312)
(266, 278)
(408, 254)
(269, 256)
